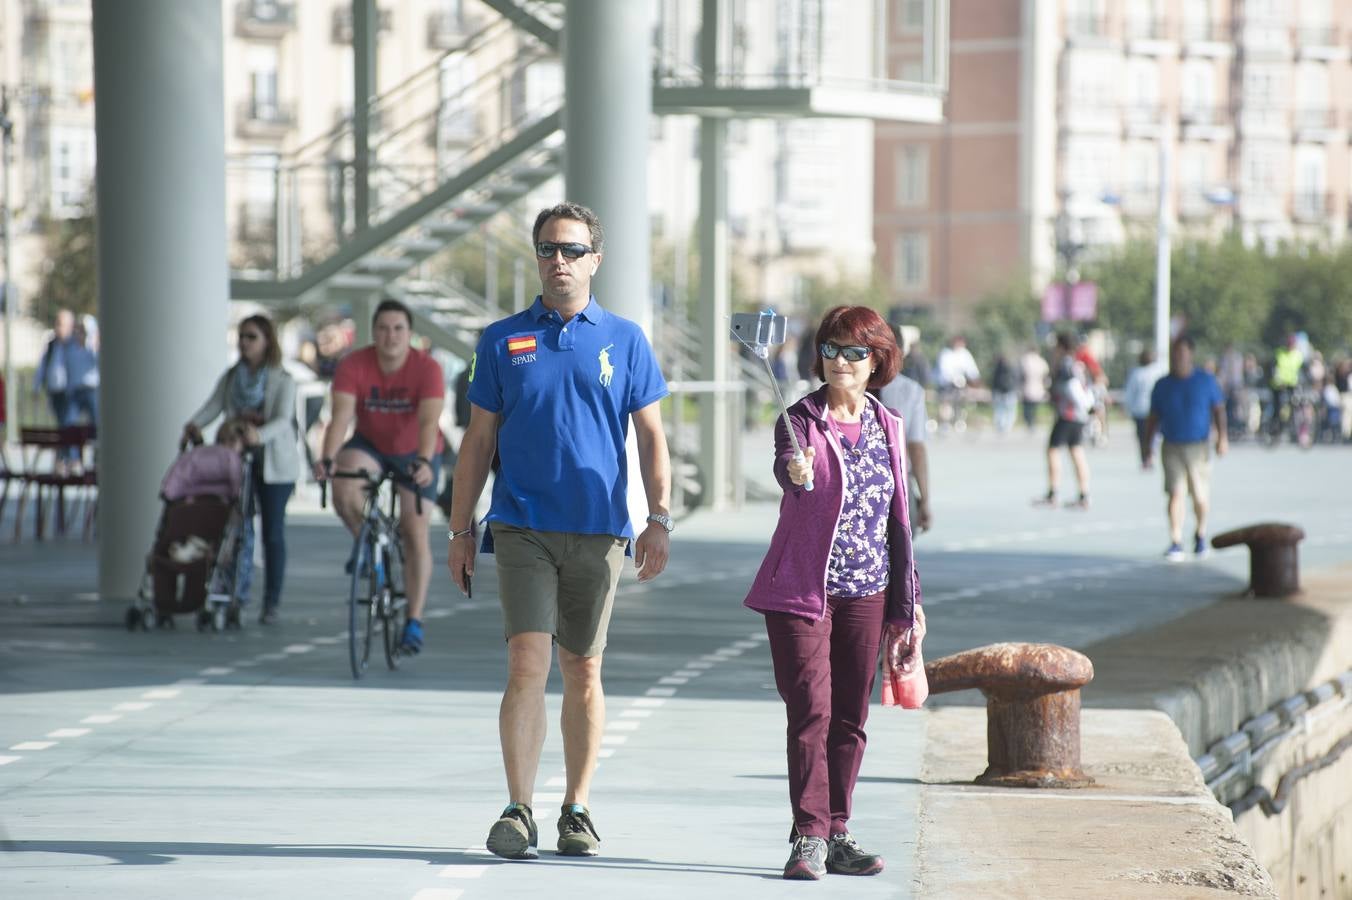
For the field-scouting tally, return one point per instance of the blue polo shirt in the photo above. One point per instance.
(564, 394)
(1183, 406)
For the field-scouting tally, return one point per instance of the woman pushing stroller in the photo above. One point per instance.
(258, 392)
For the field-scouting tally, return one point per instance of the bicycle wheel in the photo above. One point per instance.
(360, 608)
(394, 612)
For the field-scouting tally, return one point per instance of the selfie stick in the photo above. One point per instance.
(762, 350)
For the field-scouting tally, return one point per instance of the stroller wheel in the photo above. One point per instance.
(164, 621)
(232, 616)
(134, 619)
(204, 620)
(218, 619)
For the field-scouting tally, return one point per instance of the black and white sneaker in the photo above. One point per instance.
(844, 857)
(807, 859)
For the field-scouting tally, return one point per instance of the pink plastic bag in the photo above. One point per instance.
(904, 681)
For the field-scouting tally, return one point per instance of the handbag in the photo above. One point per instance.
(904, 681)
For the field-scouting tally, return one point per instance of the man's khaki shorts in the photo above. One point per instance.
(558, 583)
(1187, 464)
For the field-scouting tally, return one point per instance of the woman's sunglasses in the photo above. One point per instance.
(547, 249)
(249, 336)
(852, 353)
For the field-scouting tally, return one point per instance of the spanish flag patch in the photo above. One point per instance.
(521, 343)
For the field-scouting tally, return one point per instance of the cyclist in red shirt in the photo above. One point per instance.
(395, 395)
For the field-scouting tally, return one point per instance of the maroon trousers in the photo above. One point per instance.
(824, 671)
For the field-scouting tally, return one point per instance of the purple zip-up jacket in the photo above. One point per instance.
(792, 578)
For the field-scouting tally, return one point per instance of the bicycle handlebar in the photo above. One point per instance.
(373, 483)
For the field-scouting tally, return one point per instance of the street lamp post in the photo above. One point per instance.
(7, 223)
(1162, 255)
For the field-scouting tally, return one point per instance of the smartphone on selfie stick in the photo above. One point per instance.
(759, 332)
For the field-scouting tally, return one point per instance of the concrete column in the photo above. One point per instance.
(715, 279)
(163, 280)
(365, 29)
(607, 67)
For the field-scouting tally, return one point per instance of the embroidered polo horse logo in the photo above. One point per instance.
(607, 369)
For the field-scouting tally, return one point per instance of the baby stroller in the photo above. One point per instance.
(203, 549)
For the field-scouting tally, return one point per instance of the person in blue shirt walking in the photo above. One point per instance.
(1186, 406)
(552, 390)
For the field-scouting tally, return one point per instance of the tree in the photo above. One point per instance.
(1003, 321)
(1224, 291)
(70, 272)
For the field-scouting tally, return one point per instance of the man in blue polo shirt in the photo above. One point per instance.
(552, 390)
(1186, 405)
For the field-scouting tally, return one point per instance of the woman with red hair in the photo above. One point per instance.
(839, 580)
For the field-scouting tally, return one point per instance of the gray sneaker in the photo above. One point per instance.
(844, 857)
(807, 859)
(577, 834)
(514, 836)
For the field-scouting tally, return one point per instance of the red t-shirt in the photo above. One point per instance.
(1082, 355)
(387, 404)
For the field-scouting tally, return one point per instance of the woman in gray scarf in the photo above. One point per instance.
(259, 392)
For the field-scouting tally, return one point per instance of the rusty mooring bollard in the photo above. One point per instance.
(1274, 564)
(1032, 709)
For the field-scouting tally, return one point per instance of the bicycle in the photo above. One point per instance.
(377, 589)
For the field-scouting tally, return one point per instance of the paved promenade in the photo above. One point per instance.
(249, 764)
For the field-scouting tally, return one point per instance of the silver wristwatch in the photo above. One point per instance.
(664, 521)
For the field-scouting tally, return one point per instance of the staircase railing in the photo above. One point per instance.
(290, 212)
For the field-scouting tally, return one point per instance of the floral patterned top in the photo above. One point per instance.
(858, 565)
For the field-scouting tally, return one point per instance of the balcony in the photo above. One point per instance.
(264, 19)
(1148, 36)
(1205, 123)
(1311, 207)
(1322, 42)
(1087, 31)
(264, 119)
(1315, 124)
(1208, 39)
(341, 32)
(447, 31)
(1143, 119)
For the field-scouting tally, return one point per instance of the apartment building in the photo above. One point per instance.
(1057, 113)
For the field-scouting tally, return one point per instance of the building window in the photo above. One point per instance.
(912, 176)
(1197, 92)
(912, 261)
(911, 16)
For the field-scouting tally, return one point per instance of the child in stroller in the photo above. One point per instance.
(202, 558)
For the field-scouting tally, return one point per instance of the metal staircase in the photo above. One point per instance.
(434, 178)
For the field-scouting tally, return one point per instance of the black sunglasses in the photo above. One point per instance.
(852, 353)
(250, 336)
(547, 249)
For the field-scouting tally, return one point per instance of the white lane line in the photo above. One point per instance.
(661, 692)
(297, 648)
(651, 702)
(687, 673)
(727, 653)
(34, 745)
(211, 671)
(605, 752)
(132, 706)
(699, 664)
(557, 781)
(246, 663)
(636, 713)
(745, 645)
(672, 679)
(101, 719)
(161, 694)
(326, 640)
(6, 760)
(270, 657)
(623, 725)
(614, 738)
(463, 872)
(439, 894)
(68, 732)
